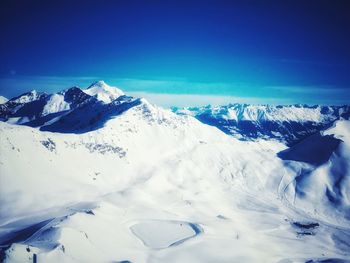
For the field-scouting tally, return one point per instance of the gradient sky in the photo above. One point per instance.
(251, 51)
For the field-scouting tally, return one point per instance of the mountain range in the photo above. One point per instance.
(288, 124)
(94, 175)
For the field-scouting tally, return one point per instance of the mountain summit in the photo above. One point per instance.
(103, 92)
(3, 100)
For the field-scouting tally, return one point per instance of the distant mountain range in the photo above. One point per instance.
(79, 110)
(289, 124)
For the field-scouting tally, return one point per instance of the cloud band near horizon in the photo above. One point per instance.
(180, 92)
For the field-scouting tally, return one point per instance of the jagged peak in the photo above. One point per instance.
(3, 99)
(99, 83)
(103, 92)
(251, 112)
(28, 97)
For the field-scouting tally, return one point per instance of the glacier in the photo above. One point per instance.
(95, 175)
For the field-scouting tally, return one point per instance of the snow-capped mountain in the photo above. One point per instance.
(127, 181)
(3, 100)
(103, 92)
(40, 109)
(322, 165)
(288, 124)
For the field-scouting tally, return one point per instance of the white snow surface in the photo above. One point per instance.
(103, 92)
(329, 179)
(241, 112)
(28, 97)
(132, 189)
(341, 130)
(55, 104)
(162, 234)
(3, 100)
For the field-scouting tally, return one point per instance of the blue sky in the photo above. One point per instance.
(176, 52)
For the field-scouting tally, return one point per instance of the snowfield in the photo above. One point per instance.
(149, 185)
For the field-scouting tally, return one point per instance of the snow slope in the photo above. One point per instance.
(152, 186)
(56, 103)
(27, 97)
(103, 92)
(322, 189)
(3, 100)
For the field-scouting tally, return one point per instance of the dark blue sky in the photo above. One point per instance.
(292, 51)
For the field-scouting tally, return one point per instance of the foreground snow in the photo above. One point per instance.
(153, 186)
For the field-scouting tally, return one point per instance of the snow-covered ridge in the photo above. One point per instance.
(260, 113)
(322, 166)
(56, 103)
(288, 124)
(37, 109)
(3, 100)
(27, 97)
(103, 92)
